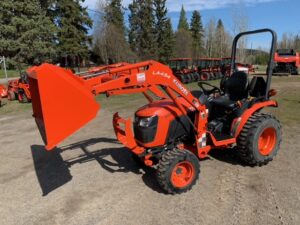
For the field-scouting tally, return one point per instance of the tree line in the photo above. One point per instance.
(61, 31)
(150, 35)
(36, 31)
(290, 41)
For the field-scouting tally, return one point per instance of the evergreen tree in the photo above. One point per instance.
(134, 24)
(169, 42)
(115, 15)
(184, 41)
(26, 33)
(164, 32)
(73, 23)
(183, 23)
(142, 29)
(147, 37)
(197, 32)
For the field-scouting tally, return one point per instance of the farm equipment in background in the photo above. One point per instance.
(226, 66)
(209, 68)
(287, 61)
(177, 127)
(184, 69)
(188, 70)
(19, 89)
(3, 93)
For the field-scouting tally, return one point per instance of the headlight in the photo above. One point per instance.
(146, 121)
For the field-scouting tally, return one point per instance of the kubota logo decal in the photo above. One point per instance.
(182, 89)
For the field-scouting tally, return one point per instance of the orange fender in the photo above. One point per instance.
(240, 122)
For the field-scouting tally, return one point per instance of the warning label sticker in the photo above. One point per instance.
(141, 77)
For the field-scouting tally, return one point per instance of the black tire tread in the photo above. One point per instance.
(244, 140)
(164, 165)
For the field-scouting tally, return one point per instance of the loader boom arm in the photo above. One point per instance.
(63, 102)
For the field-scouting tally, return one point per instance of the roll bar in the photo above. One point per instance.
(271, 58)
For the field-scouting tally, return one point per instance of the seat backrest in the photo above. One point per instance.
(257, 87)
(236, 86)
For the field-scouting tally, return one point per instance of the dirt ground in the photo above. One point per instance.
(91, 179)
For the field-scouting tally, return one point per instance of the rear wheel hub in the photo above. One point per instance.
(267, 141)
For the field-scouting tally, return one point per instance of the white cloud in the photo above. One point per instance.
(91, 4)
(175, 6)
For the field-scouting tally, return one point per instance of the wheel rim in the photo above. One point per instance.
(204, 76)
(20, 97)
(267, 141)
(182, 174)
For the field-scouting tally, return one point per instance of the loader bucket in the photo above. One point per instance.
(61, 103)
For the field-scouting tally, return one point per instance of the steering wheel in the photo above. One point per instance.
(212, 90)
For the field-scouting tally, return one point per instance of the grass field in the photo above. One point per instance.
(10, 73)
(91, 179)
(288, 98)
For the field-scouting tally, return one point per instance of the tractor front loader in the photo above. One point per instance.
(176, 128)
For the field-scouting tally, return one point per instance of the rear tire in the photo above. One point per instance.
(190, 78)
(186, 79)
(259, 140)
(11, 96)
(204, 76)
(181, 77)
(217, 77)
(178, 170)
(23, 98)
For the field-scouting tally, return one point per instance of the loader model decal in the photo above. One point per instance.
(163, 74)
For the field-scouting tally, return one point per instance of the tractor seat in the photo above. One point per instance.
(236, 89)
(236, 86)
(223, 102)
(257, 87)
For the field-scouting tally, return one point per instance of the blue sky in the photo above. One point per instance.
(281, 15)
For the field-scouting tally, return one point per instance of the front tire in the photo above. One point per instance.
(11, 96)
(178, 170)
(23, 98)
(259, 140)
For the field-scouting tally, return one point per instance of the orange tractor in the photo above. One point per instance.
(184, 69)
(209, 68)
(19, 89)
(226, 66)
(3, 93)
(177, 127)
(287, 61)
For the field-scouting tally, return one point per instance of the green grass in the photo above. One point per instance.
(261, 69)
(288, 98)
(14, 107)
(10, 73)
